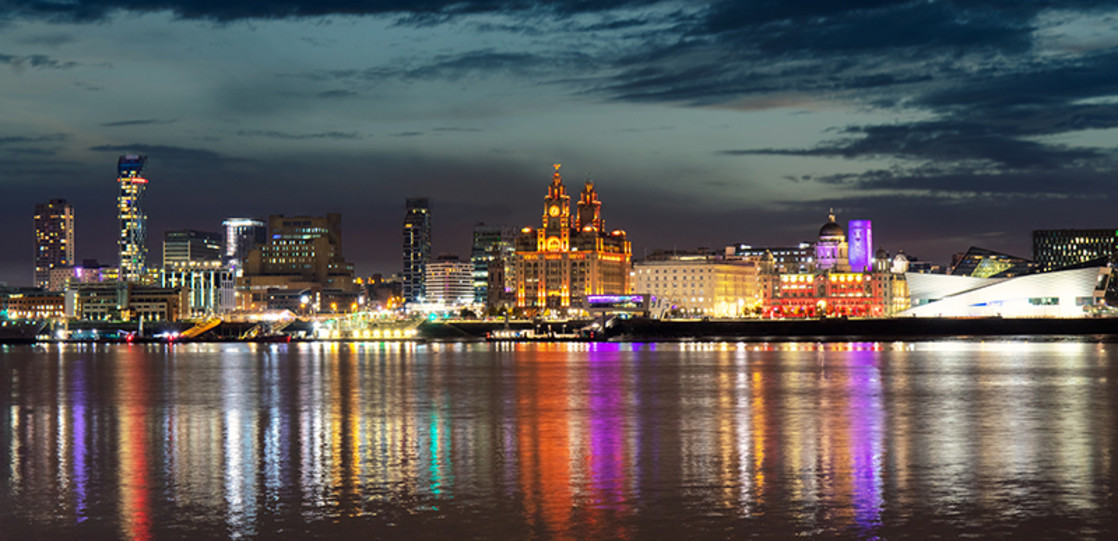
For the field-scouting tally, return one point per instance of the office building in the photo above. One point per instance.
(302, 252)
(133, 217)
(209, 290)
(792, 259)
(570, 257)
(54, 239)
(701, 285)
(493, 244)
(1060, 248)
(417, 247)
(190, 248)
(241, 236)
(126, 301)
(449, 282)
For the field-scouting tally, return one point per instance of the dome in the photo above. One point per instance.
(831, 228)
(881, 254)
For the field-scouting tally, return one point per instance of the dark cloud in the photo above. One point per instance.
(406, 134)
(299, 136)
(168, 153)
(456, 129)
(337, 94)
(143, 122)
(36, 61)
(22, 139)
(419, 10)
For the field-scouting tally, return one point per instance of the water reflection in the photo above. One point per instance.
(558, 441)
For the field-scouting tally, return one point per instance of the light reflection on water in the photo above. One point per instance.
(573, 440)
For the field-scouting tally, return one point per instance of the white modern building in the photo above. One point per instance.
(449, 282)
(1068, 293)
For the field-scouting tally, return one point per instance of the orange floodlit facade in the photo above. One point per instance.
(570, 257)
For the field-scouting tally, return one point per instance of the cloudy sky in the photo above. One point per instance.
(948, 124)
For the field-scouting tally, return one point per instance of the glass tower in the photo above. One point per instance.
(241, 236)
(491, 243)
(417, 246)
(133, 218)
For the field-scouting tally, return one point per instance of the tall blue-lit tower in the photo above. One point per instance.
(133, 217)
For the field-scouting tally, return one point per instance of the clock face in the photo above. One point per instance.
(554, 210)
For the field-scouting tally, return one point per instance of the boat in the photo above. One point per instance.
(20, 330)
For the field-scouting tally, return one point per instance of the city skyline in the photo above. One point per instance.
(703, 124)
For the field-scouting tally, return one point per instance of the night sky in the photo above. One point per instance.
(948, 124)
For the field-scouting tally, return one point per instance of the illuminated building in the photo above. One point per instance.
(241, 235)
(133, 217)
(833, 289)
(799, 258)
(190, 248)
(209, 290)
(983, 263)
(860, 245)
(567, 259)
(33, 305)
(493, 244)
(1058, 248)
(303, 252)
(449, 282)
(417, 246)
(54, 239)
(1064, 293)
(831, 249)
(126, 301)
(701, 285)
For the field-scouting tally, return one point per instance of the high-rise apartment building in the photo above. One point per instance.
(241, 236)
(493, 244)
(417, 246)
(570, 257)
(133, 217)
(191, 248)
(1058, 248)
(54, 239)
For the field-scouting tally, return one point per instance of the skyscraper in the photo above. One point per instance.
(54, 239)
(492, 243)
(241, 236)
(417, 246)
(133, 217)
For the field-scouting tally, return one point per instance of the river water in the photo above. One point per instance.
(943, 439)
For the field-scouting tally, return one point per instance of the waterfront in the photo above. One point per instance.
(564, 441)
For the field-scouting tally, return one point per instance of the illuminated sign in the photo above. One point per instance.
(619, 302)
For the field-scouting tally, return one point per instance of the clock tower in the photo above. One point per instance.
(569, 258)
(555, 235)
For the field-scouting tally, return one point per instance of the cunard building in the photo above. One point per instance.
(570, 257)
